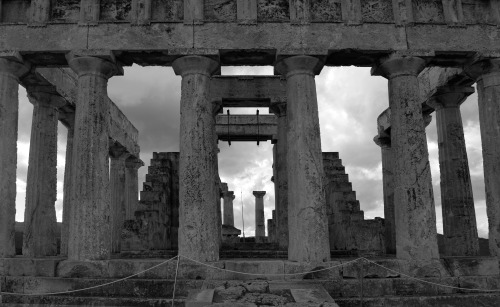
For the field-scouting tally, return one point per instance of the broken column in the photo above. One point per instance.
(198, 234)
(117, 185)
(487, 75)
(11, 69)
(260, 226)
(307, 219)
(459, 216)
(89, 235)
(132, 165)
(67, 185)
(281, 176)
(384, 141)
(228, 208)
(40, 223)
(415, 216)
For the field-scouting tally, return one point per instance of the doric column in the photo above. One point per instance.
(307, 219)
(260, 226)
(228, 208)
(118, 191)
(198, 234)
(281, 177)
(90, 226)
(132, 165)
(40, 223)
(459, 217)
(487, 75)
(388, 189)
(11, 69)
(416, 236)
(67, 185)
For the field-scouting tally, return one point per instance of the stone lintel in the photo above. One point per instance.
(246, 127)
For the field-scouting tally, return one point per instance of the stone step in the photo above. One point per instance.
(340, 186)
(249, 246)
(49, 301)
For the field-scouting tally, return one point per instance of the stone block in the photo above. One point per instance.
(298, 267)
(30, 267)
(317, 295)
(119, 268)
(386, 268)
(199, 298)
(430, 269)
(429, 286)
(478, 282)
(366, 287)
(83, 269)
(269, 269)
(471, 266)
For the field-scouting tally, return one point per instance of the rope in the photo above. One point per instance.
(175, 280)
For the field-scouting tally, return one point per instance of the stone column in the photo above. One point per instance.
(388, 189)
(67, 187)
(307, 219)
(132, 165)
(89, 235)
(281, 178)
(228, 208)
(260, 226)
(11, 69)
(118, 191)
(487, 75)
(198, 234)
(459, 217)
(40, 223)
(416, 236)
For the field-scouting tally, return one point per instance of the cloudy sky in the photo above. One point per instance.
(349, 102)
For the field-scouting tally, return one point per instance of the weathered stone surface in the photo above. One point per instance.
(471, 266)
(245, 127)
(459, 217)
(132, 166)
(269, 269)
(416, 235)
(30, 267)
(68, 170)
(318, 295)
(198, 298)
(90, 215)
(11, 69)
(307, 220)
(197, 218)
(228, 208)
(117, 195)
(292, 270)
(260, 224)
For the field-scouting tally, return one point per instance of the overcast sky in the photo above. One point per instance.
(349, 102)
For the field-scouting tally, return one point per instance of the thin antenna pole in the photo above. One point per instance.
(242, 218)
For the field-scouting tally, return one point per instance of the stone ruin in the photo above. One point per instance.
(63, 53)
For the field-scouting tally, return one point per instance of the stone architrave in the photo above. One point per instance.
(12, 69)
(89, 235)
(198, 234)
(307, 218)
(132, 165)
(388, 190)
(260, 223)
(415, 216)
(487, 75)
(67, 186)
(281, 177)
(459, 216)
(118, 192)
(228, 208)
(40, 222)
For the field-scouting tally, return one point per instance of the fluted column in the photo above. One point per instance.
(307, 219)
(11, 69)
(260, 226)
(132, 165)
(228, 208)
(89, 235)
(198, 234)
(459, 216)
(487, 75)
(67, 187)
(388, 190)
(281, 177)
(416, 235)
(118, 191)
(40, 223)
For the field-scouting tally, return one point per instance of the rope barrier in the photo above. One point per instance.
(250, 274)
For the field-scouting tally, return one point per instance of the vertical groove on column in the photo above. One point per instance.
(67, 192)
(117, 198)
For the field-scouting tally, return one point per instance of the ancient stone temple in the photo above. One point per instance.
(64, 52)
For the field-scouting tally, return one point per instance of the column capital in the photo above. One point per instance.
(227, 194)
(133, 163)
(427, 119)
(259, 194)
(398, 65)
(278, 108)
(486, 69)
(92, 62)
(384, 141)
(194, 64)
(299, 64)
(117, 151)
(46, 96)
(449, 97)
(12, 64)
